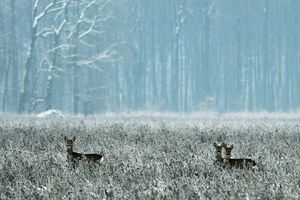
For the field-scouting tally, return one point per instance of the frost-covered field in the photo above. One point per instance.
(149, 157)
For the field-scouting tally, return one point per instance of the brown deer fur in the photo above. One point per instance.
(218, 154)
(239, 163)
(74, 157)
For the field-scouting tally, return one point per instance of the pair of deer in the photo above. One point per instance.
(227, 161)
(74, 157)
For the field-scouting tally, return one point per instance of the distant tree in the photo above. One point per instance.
(51, 59)
(92, 56)
(37, 17)
(85, 27)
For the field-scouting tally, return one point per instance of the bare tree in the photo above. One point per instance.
(89, 17)
(76, 24)
(37, 17)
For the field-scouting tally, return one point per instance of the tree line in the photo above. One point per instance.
(95, 56)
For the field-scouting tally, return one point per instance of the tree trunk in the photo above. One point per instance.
(51, 68)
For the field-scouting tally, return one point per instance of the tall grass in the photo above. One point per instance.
(149, 157)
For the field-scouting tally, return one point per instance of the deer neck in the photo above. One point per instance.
(226, 158)
(70, 150)
(219, 157)
(70, 154)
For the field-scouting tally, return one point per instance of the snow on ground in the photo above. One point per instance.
(50, 113)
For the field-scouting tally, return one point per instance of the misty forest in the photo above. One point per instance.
(95, 56)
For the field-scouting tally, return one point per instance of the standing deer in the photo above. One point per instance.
(218, 154)
(239, 163)
(74, 157)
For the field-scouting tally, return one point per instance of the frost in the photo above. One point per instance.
(50, 114)
(157, 156)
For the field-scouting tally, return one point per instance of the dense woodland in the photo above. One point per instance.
(95, 56)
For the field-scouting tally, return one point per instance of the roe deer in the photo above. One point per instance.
(74, 157)
(218, 154)
(239, 163)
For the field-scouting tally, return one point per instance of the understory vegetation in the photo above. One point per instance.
(149, 157)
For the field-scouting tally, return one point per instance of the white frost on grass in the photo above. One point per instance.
(50, 114)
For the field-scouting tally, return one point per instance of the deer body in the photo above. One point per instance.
(74, 157)
(239, 163)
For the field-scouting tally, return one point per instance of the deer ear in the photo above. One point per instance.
(231, 146)
(215, 144)
(74, 138)
(65, 138)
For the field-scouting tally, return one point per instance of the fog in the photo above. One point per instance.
(93, 57)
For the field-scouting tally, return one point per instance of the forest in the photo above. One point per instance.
(96, 56)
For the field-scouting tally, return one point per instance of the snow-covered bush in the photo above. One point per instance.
(50, 114)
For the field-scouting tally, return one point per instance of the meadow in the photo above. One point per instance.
(150, 156)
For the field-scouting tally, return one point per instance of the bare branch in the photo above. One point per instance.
(58, 30)
(61, 9)
(87, 44)
(62, 46)
(105, 56)
(42, 14)
(45, 32)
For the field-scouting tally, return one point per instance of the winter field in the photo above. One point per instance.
(150, 156)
